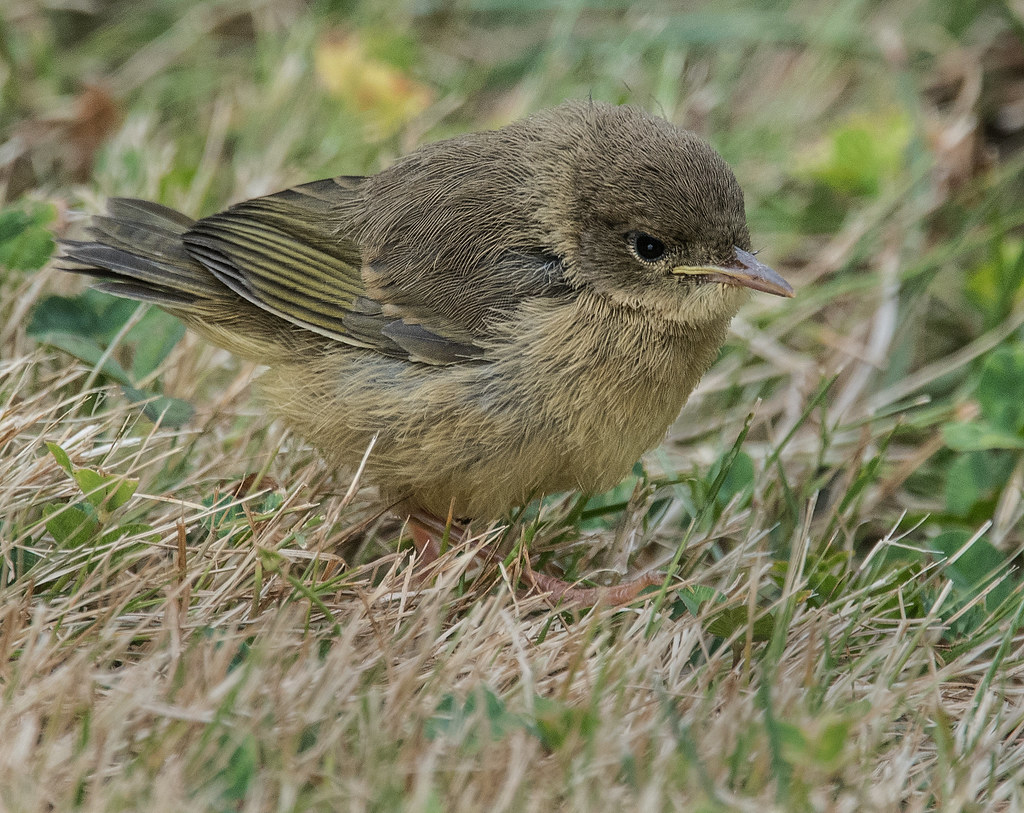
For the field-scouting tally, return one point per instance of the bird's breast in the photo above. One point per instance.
(601, 383)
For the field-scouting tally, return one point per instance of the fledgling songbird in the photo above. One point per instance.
(509, 313)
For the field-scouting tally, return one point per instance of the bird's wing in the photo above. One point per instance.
(288, 254)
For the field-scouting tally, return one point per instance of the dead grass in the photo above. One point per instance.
(183, 668)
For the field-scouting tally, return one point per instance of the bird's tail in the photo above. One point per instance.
(138, 252)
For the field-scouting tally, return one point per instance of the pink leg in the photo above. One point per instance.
(427, 530)
(559, 590)
(424, 541)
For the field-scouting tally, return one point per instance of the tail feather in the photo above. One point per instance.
(147, 213)
(137, 251)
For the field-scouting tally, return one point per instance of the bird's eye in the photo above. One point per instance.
(645, 247)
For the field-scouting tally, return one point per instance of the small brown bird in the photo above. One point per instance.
(509, 313)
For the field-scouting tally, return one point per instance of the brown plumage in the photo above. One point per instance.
(509, 313)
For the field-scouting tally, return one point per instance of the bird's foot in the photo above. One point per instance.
(562, 592)
(427, 532)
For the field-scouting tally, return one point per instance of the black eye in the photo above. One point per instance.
(647, 248)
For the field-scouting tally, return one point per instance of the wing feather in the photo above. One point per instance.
(290, 255)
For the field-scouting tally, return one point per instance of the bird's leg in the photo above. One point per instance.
(561, 591)
(426, 545)
(427, 531)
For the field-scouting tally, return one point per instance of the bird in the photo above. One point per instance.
(502, 314)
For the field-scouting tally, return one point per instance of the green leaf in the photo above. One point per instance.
(162, 409)
(25, 240)
(962, 487)
(225, 515)
(792, 738)
(975, 477)
(93, 315)
(974, 568)
(105, 491)
(832, 740)
(446, 719)
(979, 436)
(821, 745)
(601, 509)
(62, 314)
(240, 772)
(1001, 390)
(91, 353)
(154, 337)
(61, 457)
(80, 326)
(70, 525)
(861, 154)
(449, 720)
(733, 619)
(995, 286)
(172, 412)
(109, 491)
(695, 596)
(557, 722)
(739, 479)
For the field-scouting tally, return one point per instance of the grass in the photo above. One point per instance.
(196, 615)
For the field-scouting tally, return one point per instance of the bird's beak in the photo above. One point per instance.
(748, 272)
